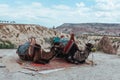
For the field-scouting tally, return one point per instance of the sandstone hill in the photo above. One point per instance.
(91, 28)
(19, 33)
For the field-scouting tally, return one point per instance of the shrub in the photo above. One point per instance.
(49, 40)
(7, 45)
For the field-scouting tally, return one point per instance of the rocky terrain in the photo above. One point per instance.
(19, 33)
(90, 28)
(93, 33)
(105, 65)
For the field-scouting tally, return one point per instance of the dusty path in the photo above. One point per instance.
(107, 68)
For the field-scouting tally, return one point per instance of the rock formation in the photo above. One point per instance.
(106, 46)
(19, 33)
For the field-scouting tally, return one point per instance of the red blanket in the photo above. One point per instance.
(68, 46)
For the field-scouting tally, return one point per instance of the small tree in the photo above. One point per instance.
(53, 27)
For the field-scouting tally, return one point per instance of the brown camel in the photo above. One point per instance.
(33, 52)
(74, 55)
(38, 55)
(41, 56)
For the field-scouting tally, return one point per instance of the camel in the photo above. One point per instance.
(39, 55)
(82, 55)
(74, 55)
(36, 54)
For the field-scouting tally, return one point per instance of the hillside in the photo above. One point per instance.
(19, 33)
(90, 28)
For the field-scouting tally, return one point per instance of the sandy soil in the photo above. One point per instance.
(107, 68)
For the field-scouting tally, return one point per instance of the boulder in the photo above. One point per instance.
(105, 45)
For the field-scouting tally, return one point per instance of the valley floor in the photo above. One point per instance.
(107, 68)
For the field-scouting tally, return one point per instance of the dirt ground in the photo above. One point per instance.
(107, 68)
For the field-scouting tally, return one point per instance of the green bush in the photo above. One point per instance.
(7, 45)
(115, 40)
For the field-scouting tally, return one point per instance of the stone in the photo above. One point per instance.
(105, 45)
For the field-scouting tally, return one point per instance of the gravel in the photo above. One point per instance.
(107, 68)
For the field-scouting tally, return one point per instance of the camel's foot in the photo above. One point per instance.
(74, 61)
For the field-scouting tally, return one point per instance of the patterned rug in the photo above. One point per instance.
(54, 64)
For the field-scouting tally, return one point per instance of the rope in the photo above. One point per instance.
(92, 59)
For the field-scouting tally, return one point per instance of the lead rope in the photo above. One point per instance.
(92, 59)
(93, 64)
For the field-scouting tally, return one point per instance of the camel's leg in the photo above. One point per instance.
(37, 58)
(70, 58)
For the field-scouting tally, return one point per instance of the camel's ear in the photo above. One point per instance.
(88, 44)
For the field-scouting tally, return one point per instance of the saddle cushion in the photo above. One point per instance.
(23, 48)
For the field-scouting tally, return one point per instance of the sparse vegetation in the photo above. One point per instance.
(10, 22)
(7, 45)
(49, 40)
(95, 29)
(115, 40)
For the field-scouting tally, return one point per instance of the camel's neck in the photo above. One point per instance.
(50, 55)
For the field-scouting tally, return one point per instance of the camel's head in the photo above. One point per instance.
(89, 46)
